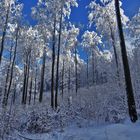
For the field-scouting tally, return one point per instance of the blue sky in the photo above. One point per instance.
(79, 15)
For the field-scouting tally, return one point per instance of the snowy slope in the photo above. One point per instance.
(125, 131)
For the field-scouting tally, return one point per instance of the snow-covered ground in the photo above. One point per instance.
(90, 131)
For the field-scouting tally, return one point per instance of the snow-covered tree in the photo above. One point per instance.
(103, 15)
(11, 12)
(91, 42)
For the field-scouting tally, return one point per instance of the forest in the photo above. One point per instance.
(62, 79)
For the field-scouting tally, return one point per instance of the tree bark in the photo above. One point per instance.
(30, 91)
(27, 78)
(129, 88)
(114, 47)
(58, 57)
(14, 95)
(35, 87)
(4, 33)
(87, 71)
(42, 77)
(93, 67)
(5, 100)
(8, 71)
(69, 80)
(76, 72)
(24, 81)
(115, 53)
(63, 70)
(53, 64)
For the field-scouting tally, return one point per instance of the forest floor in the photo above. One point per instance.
(90, 131)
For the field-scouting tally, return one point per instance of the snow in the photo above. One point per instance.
(92, 131)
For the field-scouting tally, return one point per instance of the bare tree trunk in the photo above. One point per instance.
(27, 78)
(14, 95)
(69, 80)
(30, 91)
(42, 77)
(114, 47)
(4, 33)
(8, 71)
(24, 81)
(53, 65)
(129, 88)
(87, 71)
(93, 68)
(63, 70)
(5, 100)
(115, 54)
(76, 72)
(35, 88)
(58, 57)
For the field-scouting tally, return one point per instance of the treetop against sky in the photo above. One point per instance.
(79, 15)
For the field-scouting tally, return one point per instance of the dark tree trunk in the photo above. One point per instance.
(24, 81)
(58, 57)
(14, 95)
(35, 87)
(8, 71)
(129, 88)
(30, 91)
(53, 64)
(76, 72)
(114, 48)
(5, 100)
(93, 68)
(27, 78)
(63, 70)
(69, 80)
(87, 71)
(115, 54)
(4, 33)
(42, 77)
